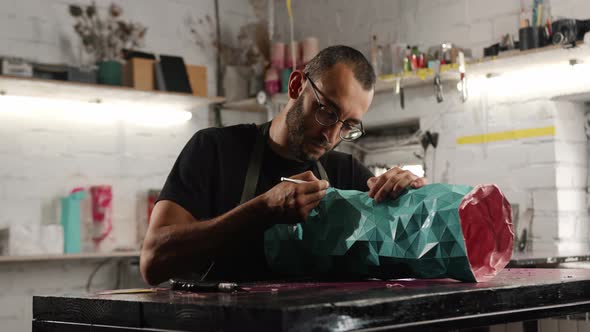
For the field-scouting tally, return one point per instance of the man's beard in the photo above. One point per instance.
(296, 132)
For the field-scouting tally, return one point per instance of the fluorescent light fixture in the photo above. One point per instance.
(87, 112)
(533, 82)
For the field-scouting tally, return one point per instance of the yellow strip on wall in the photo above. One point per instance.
(507, 135)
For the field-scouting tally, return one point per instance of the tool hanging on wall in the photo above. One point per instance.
(427, 139)
(462, 86)
(399, 90)
(438, 89)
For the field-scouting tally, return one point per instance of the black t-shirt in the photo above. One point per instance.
(208, 177)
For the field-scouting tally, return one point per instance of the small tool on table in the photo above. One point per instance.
(284, 179)
(129, 291)
(204, 286)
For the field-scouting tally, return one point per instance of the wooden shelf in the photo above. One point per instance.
(280, 98)
(68, 257)
(42, 88)
(421, 77)
(504, 62)
(518, 53)
(245, 105)
(251, 105)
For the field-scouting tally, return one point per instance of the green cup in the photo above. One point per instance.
(285, 74)
(110, 72)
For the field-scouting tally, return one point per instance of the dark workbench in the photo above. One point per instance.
(547, 259)
(514, 295)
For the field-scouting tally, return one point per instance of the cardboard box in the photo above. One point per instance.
(197, 76)
(138, 73)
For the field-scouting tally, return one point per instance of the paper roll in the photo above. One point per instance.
(271, 81)
(310, 48)
(278, 55)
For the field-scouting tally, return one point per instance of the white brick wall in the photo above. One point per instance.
(571, 8)
(41, 164)
(552, 169)
(503, 24)
(126, 156)
(571, 177)
(573, 228)
(340, 22)
(52, 156)
(481, 9)
(545, 200)
(43, 157)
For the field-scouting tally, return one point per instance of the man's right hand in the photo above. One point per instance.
(175, 235)
(290, 203)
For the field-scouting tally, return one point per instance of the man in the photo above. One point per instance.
(224, 190)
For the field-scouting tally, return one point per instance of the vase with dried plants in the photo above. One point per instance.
(242, 59)
(104, 37)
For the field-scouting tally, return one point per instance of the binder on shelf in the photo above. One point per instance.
(175, 74)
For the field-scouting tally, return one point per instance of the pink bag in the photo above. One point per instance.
(102, 217)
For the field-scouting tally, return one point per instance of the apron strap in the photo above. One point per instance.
(253, 173)
(255, 164)
(322, 171)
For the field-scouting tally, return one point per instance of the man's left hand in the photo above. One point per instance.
(391, 183)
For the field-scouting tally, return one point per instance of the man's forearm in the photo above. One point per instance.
(169, 249)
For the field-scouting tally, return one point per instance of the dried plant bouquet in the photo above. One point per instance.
(105, 37)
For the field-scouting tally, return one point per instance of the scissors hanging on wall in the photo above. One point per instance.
(438, 89)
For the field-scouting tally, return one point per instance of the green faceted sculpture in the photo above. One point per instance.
(437, 231)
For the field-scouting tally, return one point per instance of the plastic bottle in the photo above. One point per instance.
(70, 220)
(408, 59)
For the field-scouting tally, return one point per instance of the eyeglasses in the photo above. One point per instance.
(328, 117)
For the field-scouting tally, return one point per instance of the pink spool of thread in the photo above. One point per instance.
(310, 48)
(278, 55)
(271, 81)
(289, 57)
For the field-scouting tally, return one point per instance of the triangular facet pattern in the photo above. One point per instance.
(349, 234)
